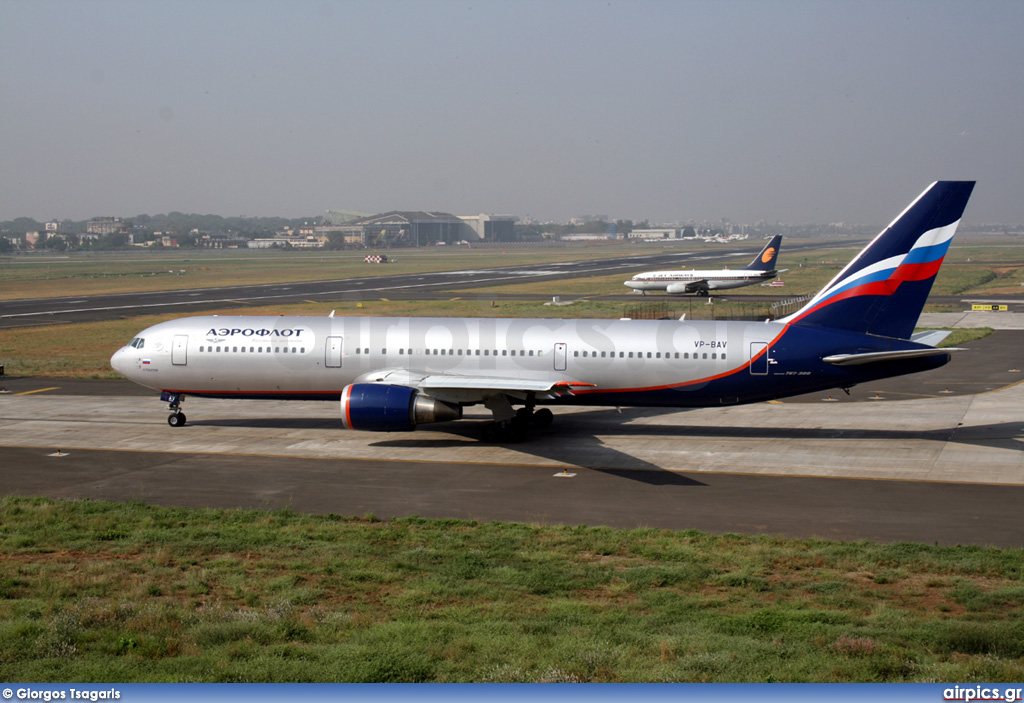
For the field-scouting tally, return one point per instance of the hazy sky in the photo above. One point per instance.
(797, 111)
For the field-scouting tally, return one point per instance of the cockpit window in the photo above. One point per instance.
(137, 343)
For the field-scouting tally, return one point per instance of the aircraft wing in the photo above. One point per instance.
(434, 384)
(873, 357)
(461, 389)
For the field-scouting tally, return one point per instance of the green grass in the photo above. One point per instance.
(93, 591)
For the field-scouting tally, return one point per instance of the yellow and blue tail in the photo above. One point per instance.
(883, 290)
(765, 261)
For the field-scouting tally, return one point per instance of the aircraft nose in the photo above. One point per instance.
(117, 361)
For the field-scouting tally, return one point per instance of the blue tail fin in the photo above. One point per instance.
(765, 261)
(883, 290)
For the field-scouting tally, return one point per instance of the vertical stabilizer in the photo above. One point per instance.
(765, 261)
(883, 290)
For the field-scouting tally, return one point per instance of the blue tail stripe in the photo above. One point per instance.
(928, 254)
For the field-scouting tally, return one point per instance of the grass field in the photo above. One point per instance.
(92, 591)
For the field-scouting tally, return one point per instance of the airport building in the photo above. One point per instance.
(419, 229)
(662, 233)
(108, 225)
(491, 228)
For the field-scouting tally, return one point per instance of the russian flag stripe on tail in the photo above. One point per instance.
(883, 290)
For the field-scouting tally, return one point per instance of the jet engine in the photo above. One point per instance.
(379, 407)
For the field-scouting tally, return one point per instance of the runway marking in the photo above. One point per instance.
(39, 390)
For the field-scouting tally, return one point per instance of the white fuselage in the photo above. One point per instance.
(689, 281)
(316, 357)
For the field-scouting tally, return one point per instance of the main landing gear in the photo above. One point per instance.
(174, 401)
(514, 428)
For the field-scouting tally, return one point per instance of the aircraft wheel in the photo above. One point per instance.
(176, 419)
(543, 417)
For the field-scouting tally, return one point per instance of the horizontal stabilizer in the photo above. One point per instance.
(930, 337)
(875, 357)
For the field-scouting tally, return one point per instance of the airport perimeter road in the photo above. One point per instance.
(45, 311)
(946, 470)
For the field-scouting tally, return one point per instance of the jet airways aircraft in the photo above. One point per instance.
(762, 268)
(393, 374)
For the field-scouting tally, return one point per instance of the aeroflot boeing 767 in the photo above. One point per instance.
(392, 374)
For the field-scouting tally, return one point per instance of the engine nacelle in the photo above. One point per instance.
(684, 287)
(379, 407)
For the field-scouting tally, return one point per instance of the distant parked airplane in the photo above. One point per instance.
(392, 374)
(762, 268)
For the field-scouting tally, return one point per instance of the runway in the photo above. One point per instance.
(93, 308)
(946, 469)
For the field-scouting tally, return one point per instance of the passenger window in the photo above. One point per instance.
(723, 356)
(705, 355)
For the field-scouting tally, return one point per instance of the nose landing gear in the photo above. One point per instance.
(174, 401)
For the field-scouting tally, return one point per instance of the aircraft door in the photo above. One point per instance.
(560, 356)
(332, 359)
(179, 350)
(759, 364)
